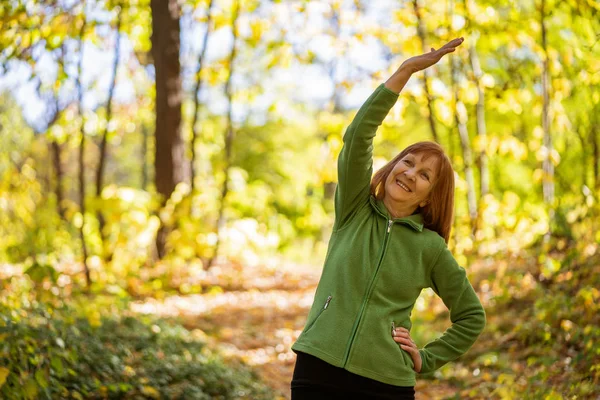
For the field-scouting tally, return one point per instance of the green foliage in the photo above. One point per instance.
(49, 350)
(39, 272)
(543, 318)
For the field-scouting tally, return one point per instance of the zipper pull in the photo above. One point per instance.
(390, 222)
(327, 303)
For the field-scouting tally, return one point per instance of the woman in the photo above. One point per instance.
(389, 242)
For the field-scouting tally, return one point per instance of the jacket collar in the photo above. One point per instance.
(415, 221)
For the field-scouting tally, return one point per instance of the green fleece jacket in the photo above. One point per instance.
(374, 271)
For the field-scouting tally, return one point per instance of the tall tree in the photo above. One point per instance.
(461, 118)
(79, 86)
(484, 175)
(427, 72)
(547, 164)
(595, 139)
(144, 156)
(334, 104)
(104, 141)
(229, 130)
(55, 147)
(169, 149)
(195, 125)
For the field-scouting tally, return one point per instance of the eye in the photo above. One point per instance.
(408, 162)
(425, 175)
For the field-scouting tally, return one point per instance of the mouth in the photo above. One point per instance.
(402, 185)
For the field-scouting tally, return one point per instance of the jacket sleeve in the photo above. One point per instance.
(355, 162)
(450, 282)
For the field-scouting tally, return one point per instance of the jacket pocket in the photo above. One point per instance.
(319, 314)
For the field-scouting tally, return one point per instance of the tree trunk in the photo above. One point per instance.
(229, 135)
(333, 107)
(484, 175)
(596, 152)
(144, 157)
(58, 172)
(547, 165)
(580, 131)
(482, 161)
(195, 128)
(426, 72)
(169, 148)
(79, 86)
(55, 153)
(460, 117)
(103, 144)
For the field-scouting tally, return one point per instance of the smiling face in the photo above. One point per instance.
(409, 184)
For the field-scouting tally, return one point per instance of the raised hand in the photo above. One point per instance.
(418, 63)
(414, 64)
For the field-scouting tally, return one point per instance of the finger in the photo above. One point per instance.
(404, 338)
(456, 42)
(410, 349)
(453, 43)
(447, 50)
(406, 341)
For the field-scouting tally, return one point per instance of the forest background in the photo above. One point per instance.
(167, 171)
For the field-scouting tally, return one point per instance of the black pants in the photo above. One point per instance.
(315, 379)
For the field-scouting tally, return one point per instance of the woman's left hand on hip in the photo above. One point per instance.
(402, 336)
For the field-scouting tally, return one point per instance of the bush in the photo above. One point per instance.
(47, 353)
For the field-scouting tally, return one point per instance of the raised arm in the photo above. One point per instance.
(355, 162)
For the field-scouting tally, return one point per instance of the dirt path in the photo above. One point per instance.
(257, 318)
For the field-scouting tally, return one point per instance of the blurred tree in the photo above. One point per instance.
(52, 99)
(460, 119)
(547, 163)
(79, 88)
(199, 81)
(422, 33)
(478, 77)
(229, 130)
(106, 253)
(169, 151)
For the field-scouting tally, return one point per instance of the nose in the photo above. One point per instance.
(410, 174)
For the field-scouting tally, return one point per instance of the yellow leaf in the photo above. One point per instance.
(151, 392)
(3, 374)
(469, 93)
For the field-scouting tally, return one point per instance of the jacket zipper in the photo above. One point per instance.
(364, 303)
(320, 312)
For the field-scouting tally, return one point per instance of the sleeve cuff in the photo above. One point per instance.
(388, 91)
(423, 367)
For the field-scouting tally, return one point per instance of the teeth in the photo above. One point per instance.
(402, 186)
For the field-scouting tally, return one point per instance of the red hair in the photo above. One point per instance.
(439, 211)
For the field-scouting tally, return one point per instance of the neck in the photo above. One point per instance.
(398, 211)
